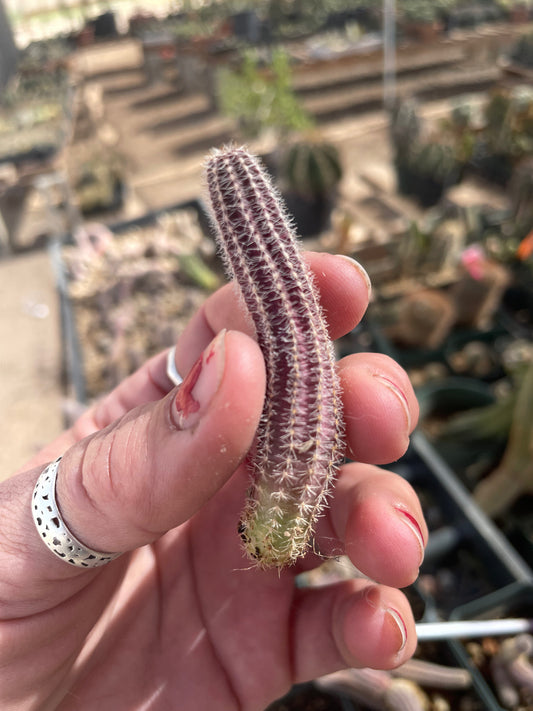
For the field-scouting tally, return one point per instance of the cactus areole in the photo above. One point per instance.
(299, 442)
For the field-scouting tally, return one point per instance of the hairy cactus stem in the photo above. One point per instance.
(299, 443)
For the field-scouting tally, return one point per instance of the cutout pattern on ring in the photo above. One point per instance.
(53, 530)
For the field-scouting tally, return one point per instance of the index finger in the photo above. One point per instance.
(343, 289)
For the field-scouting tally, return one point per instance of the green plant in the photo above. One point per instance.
(514, 475)
(405, 125)
(262, 97)
(425, 169)
(521, 193)
(458, 129)
(311, 168)
(435, 161)
(506, 134)
(418, 11)
(522, 51)
(98, 181)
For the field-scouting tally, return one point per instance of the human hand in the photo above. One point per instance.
(181, 620)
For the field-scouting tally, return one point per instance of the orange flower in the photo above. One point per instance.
(525, 248)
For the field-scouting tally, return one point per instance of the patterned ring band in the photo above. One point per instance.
(52, 528)
(172, 371)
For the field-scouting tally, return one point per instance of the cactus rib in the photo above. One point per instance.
(299, 443)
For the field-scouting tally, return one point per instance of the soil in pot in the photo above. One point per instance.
(307, 697)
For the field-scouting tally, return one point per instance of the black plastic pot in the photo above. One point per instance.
(425, 188)
(467, 555)
(495, 167)
(518, 527)
(451, 395)
(440, 400)
(415, 357)
(38, 154)
(516, 309)
(494, 340)
(307, 697)
(312, 215)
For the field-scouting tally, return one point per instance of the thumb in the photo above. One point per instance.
(151, 470)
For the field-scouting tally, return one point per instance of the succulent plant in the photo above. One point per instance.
(402, 688)
(514, 475)
(522, 50)
(435, 160)
(512, 670)
(299, 442)
(406, 126)
(311, 168)
(262, 98)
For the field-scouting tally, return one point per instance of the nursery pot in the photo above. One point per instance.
(312, 215)
(442, 399)
(426, 189)
(307, 697)
(516, 309)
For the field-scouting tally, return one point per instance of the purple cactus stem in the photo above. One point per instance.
(299, 444)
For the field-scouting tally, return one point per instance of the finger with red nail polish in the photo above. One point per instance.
(377, 519)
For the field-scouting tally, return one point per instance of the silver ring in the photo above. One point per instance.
(172, 372)
(52, 528)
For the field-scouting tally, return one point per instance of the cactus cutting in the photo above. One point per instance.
(299, 443)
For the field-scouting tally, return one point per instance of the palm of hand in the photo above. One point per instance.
(190, 602)
(184, 622)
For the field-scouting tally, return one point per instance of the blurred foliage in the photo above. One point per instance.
(261, 97)
(311, 168)
(522, 51)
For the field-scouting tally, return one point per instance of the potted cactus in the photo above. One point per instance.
(309, 172)
(427, 170)
(306, 168)
(425, 165)
(521, 54)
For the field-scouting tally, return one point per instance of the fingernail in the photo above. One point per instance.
(392, 617)
(399, 627)
(411, 522)
(200, 385)
(399, 394)
(360, 270)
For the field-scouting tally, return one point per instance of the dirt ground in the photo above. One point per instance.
(30, 359)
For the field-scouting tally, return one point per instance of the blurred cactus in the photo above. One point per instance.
(514, 475)
(522, 51)
(425, 166)
(405, 126)
(311, 168)
(436, 161)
